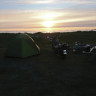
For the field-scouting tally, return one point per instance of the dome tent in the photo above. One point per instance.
(22, 46)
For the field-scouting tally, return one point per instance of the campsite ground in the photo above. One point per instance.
(47, 74)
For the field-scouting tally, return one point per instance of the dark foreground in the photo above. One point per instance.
(47, 74)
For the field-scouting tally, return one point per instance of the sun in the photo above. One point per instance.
(48, 24)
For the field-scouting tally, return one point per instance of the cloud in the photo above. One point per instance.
(78, 1)
(48, 1)
(32, 13)
(32, 19)
(28, 1)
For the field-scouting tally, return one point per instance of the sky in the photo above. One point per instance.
(47, 15)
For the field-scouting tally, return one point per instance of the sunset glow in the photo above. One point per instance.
(48, 24)
(37, 15)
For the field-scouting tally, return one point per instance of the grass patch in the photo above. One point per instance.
(47, 74)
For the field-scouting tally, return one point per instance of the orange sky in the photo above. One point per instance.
(48, 15)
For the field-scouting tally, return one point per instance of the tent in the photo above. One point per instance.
(22, 46)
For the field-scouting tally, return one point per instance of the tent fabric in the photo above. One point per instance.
(23, 46)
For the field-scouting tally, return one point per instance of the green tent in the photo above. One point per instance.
(22, 46)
